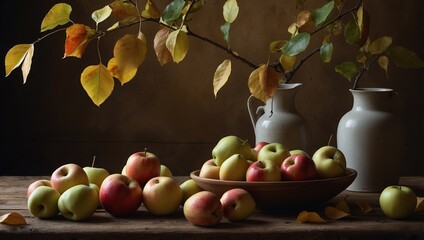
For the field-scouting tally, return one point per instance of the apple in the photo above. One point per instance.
(263, 170)
(209, 170)
(42, 202)
(67, 176)
(162, 195)
(298, 167)
(228, 146)
(237, 204)
(260, 145)
(188, 188)
(124, 170)
(253, 155)
(203, 209)
(36, 184)
(79, 202)
(165, 171)
(330, 162)
(96, 175)
(299, 151)
(120, 195)
(398, 202)
(142, 166)
(234, 168)
(276, 152)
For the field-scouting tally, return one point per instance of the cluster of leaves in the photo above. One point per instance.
(171, 43)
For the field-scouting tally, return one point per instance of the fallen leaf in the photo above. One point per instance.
(13, 218)
(309, 217)
(420, 204)
(343, 206)
(334, 213)
(364, 206)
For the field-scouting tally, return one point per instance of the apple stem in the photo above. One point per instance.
(145, 151)
(245, 141)
(329, 140)
(94, 160)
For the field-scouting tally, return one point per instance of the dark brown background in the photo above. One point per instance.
(171, 110)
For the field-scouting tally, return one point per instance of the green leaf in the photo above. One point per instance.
(380, 45)
(230, 10)
(101, 14)
(276, 46)
(347, 70)
(58, 15)
(296, 44)
(173, 10)
(352, 33)
(225, 29)
(319, 15)
(405, 58)
(326, 51)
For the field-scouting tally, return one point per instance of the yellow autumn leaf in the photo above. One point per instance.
(364, 206)
(383, 62)
(343, 206)
(269, 80)
(177, 44)
(380, 45)
(230, 10)
(15, 56)
(101, 14)
(163, 55)
(57, 15)
(420, 204)
(130, 52)
(77, 39)
(221, 76)
(150, 10)
(13, 218)
(124, 10)
(26, 65)
(309, 217)
(334, 213)
(125, 77)
(287, 62)
(97, 81)
(255, 87)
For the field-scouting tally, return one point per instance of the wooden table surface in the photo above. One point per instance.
(260, 225)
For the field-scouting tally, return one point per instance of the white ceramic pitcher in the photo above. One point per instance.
(279, 121)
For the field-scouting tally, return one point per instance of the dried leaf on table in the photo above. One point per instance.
(364, 206)
(343, 206)
(420, 204)
(309, 217)
(334, 213)
(13, 218)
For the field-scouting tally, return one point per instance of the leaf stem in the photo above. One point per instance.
(49, 34)
(364, 69)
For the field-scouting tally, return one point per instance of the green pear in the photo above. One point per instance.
(228, 146)
(234, 168)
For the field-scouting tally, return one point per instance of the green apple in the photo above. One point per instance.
(162, 195)
(398, 202)
(228, 146)
(276, 152)
(42, 202)
(165, 171)
(79, 202)
(189, 187)
(330, 162)
(234, 168)
(96, 175)
(209, 170)
(299, 151)
(237, 204)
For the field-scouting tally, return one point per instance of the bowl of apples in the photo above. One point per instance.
(278, 179)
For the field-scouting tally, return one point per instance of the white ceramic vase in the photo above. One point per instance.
(371, 137)
(279, 121)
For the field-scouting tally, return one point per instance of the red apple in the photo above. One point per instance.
(237, 204)
(67, 176)
(142, 166)
(36, 184)
(263, 170)
(203, 209)
(120, 195)
(209, 170)
(298, 167)
(259, 146)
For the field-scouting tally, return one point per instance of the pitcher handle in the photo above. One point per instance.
(254, 116)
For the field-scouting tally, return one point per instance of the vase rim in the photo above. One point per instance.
(372, 89)
(289, 85)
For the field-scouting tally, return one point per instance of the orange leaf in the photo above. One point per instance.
(309, 217)
(364, 206)
(334, 213)
(268, 79)
(255, 86)
(123, 9)
(77, 39)
(13, 218)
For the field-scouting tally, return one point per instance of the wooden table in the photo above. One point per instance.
(143, 225)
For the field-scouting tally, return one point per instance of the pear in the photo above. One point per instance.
(234, 168)
(228, 146)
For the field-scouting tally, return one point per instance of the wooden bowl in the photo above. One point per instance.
(282, 194)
